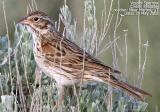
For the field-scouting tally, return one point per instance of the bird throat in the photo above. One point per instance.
(37, 49)
(36, 40)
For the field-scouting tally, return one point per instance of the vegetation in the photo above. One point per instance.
(18, 89)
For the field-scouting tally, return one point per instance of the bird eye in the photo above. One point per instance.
(35, 18)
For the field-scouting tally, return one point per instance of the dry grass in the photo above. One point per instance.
(17, 70)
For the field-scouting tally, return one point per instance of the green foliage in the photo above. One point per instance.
(17, 75)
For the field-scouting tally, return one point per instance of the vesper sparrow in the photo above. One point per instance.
(67, 63)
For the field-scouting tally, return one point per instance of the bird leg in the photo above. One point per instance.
(38, 75)
(60, 96)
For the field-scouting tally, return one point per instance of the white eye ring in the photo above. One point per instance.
(35, 18)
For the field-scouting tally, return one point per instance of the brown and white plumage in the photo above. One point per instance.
(66, 62)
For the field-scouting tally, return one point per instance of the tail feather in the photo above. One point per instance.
(133, 91)
(110, 79)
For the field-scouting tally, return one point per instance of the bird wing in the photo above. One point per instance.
(63, 52)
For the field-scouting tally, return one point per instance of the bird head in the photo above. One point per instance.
(37, 22)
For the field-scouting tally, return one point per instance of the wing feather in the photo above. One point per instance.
(63, 51)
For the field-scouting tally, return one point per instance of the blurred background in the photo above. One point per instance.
(150, 30)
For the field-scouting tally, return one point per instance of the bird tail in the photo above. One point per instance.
(133, 91)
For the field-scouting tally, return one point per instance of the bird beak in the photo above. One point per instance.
(23, 21)
(22, 24)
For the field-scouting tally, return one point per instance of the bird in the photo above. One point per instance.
(66, 62)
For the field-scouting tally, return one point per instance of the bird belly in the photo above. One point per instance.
(61, 77)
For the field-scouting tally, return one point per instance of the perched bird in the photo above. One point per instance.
(66, 62)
